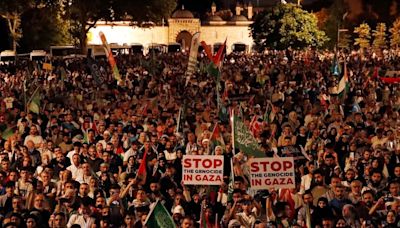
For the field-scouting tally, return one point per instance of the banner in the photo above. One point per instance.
(203, 169)
(194, 48)
(94, 71)
(110, 56)
(267, 173)
(159, 217)
(47, 66)
(244, 140)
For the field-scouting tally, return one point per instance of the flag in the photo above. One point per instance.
(110, 57)
(343, 82)
(9, 132)
(159, 217)
(217, 59)
(47, 66)
(269, 114)
(194, 48)
(142, 171)
(34, 104)
(204, 222)
(207, 50)
(223, 113)
(255, 125)
(335, 66)
(94, 71)
(231, 181)
(181, 119)
(344, 86)
(356, 107)
(243, 139)
(216, 138)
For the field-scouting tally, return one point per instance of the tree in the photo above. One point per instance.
(379, 35)
(11, 10)
(286, 25)
(364, 35)
(83, 15)
(395, 34)
(335, 21)
(43, 26)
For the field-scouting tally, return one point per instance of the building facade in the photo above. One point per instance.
(181, 26)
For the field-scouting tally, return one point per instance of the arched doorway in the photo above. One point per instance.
(184, 38)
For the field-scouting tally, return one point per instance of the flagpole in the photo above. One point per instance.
(25, 104)
(233, 130)
(209, 140)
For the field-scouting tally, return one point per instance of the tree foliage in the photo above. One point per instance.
(286, 25)
(379, 35)
(43, 26)
(11, 10)
(363, 32)
(395, 34)
(334, 21)
(83, 15)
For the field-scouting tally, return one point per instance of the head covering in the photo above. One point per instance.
(178, 210)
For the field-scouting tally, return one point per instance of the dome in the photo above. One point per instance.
(214, 18)
(239, 18)
(182, 13)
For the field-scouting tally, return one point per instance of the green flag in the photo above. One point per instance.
(34, 104)
(7, 133)
(244, 140)
(159, 217)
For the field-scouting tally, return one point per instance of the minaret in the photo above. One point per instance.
(213, 8)
(250, 10)
(237, 9)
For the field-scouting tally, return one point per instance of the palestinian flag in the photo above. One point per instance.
(216, 139)
(204, 221)
(344, 85)
(159, 217)
(142, 171)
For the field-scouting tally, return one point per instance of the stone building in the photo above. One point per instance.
(181, 26)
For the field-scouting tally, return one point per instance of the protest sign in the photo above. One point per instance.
(202, 169)
(267, 173)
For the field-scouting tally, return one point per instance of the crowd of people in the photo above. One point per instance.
(74, 162)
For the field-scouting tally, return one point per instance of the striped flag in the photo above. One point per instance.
(142, 171)
(216, 138)
(110, 57)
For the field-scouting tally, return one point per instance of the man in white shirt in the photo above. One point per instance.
(34, 137)
(75, 166)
